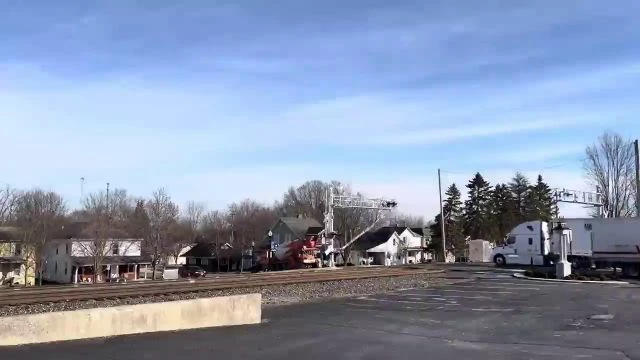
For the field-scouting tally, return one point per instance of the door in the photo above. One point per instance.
(513, 249)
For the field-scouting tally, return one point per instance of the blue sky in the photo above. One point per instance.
(224, 100)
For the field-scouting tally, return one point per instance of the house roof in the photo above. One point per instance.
(84, 229)
(300, 226)
(372, 239)
(10, 233)
(208, 250)
(314, 230)
(418, 230)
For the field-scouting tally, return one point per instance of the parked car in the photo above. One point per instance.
(192, 271)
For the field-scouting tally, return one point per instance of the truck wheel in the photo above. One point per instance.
(499, 260)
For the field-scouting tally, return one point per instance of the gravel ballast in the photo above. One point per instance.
(271, 295)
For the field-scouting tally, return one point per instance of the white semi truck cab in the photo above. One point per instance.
(531, 243)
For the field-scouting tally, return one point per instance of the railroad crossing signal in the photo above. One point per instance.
(588, 198)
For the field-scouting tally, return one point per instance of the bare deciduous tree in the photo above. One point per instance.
(308, 200)
(163, 213)
(609, 166)
(40, 215)
(8, 197)
(187, 229)
(104, 228)
(216, 230)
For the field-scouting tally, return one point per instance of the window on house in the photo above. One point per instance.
(18, 251)
(56, 269)
(56, 250)
(530, 241)
(394, 242)
(114, 248)
(65, 268)
(204, 262)
(66, 248)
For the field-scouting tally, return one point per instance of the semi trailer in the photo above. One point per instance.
(599, 242)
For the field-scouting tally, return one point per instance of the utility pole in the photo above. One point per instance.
(81, 191)
(233, 214)
(442, 219)
(637, 166)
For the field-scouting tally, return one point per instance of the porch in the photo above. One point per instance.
(113, 269)
(11, 270)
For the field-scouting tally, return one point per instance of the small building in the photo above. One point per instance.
(17, 267)
(72, 255)
(172, 260)
(379, 247)
(204, 254)
(413, 245)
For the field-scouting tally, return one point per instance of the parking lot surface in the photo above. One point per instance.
(482, 315)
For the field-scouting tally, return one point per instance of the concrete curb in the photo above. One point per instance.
(131, 319)
(608, 282)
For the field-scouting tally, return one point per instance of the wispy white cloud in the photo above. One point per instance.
(174, 105)
(537, 152)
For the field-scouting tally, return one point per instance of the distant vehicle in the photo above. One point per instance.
(293, 254)
(188, 271)
(603, 242)
(528, 243)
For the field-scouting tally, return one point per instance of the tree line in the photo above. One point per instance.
(490, 211)
(165, 227)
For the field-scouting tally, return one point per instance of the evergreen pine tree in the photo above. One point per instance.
(453, 217)
(541, 202)
(435, 245)
(520, 188)
(503, 212)
(454, 220)
(476, 208)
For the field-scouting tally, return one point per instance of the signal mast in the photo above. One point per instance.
(587, 198)
(335, 201)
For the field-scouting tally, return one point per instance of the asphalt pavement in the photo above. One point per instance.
(483, 315)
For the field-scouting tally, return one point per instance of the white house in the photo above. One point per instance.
(413, 246)
(380, 247)
(181, 259)
(72, 260)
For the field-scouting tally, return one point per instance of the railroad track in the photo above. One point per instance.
(26, 296)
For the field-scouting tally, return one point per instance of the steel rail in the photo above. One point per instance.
(216, 278)
(24, 292)
(90, 293)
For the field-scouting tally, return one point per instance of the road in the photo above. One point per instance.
(489, 315)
